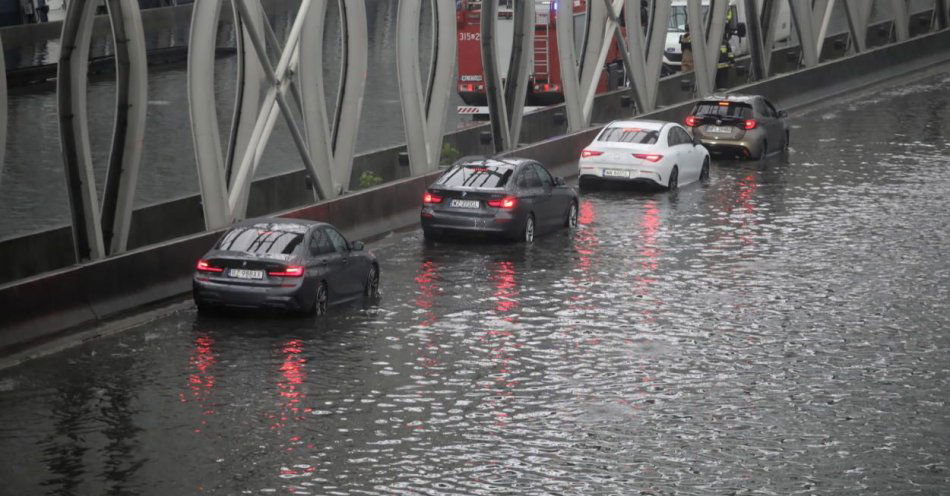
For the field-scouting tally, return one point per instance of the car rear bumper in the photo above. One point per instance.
(289, 297)
(743, 147)
(502, 224)
(635, 174)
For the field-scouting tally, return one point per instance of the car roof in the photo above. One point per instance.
(731, 98)
(286, 224)
(652, 124)
(495, 161)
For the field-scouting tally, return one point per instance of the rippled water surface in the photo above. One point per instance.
(781, 330)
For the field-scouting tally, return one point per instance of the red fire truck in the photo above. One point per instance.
(544, 86)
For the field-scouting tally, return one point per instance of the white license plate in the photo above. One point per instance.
(246, 273)
(616, 173)
(464, 203)
(719, 129)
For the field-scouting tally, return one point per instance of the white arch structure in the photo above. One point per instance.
(101, 231)
(325, 139)
(423, 106)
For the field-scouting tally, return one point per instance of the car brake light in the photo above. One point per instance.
(691, 120)
(289, 271)
(648, 156)
(429, 198)
(591, 153)
(750, 124)
(204, 266)
(506, 203)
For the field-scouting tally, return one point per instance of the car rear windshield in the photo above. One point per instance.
(476, 176)
(261, 240)
(630, 134)
(723, 109)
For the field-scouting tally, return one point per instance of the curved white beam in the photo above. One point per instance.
(424, 107)
(332, 141)
(204, 120)
(74, 130)
(129, 133)
(3, 111)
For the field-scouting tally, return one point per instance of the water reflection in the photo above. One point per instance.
(789, 316)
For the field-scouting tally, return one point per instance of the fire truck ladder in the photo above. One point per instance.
(542, 56)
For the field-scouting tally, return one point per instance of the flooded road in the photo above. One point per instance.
(780, 330)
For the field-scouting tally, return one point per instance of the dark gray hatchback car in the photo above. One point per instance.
(288, 264)
(746, 126)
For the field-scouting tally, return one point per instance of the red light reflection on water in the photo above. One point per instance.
(201, 380)
(500, 342)
(289, 385)
(427, 282)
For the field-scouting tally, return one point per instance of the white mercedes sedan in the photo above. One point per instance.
(643, 151)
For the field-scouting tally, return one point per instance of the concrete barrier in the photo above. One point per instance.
(43, 305)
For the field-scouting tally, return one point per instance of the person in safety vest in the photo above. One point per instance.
(686, 48)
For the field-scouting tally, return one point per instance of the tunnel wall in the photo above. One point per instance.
(42, 306)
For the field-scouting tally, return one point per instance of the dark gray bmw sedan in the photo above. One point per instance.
(512, 197)
(288, 264)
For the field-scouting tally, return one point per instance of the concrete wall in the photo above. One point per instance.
(43, 305)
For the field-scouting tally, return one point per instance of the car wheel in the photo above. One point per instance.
(204, 307)
(704, 172)
(674, 179)
(571, 221)
(371, 288)
(321, 300)
(431, 234)
(528, 234)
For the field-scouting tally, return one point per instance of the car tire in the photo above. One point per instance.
(527, 234)
(431, 234)
(585, 183)
(321, 300)
(673, 182)
(371, 287)
(204, 307)
(704, 172)
(571, 221)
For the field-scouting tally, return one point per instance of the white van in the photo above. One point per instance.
(673, 54)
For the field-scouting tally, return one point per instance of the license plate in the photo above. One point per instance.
(616, 173)
(719, 129)
(246, 273)
(464, 203)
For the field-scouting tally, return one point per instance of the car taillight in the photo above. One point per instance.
(750, 124)
(591, 153)
(204, 266)
(506, 203)
(289, 271)
(691, 121)
(649, 156)
(429, 198)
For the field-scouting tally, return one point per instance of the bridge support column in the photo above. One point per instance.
(3, 111)
(96, 231)
(859, 14)
(506, 101)
(423, 107)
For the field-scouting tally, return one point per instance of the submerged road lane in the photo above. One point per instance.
(783, 329)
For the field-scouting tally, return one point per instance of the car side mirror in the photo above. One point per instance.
(559, 181)
(696, 141)
(783, 113)
(357, 245)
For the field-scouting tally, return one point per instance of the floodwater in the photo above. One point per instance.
(782, 329)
